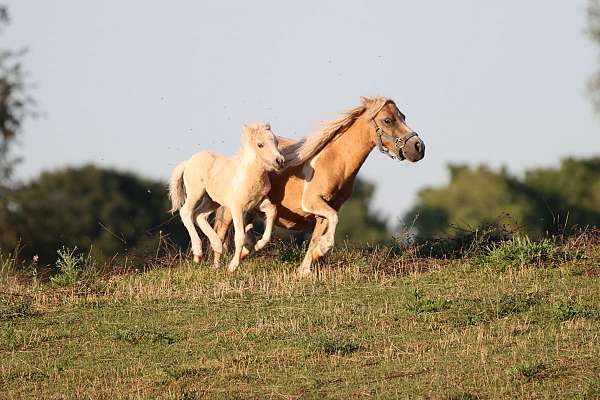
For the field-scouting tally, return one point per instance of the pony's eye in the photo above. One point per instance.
(387, 121)
(260, 145)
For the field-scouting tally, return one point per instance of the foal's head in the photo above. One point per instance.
(259, 139)
(394, 136)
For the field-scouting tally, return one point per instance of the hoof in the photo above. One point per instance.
(259, 245)
(217, 261)
(197, 258)
(304, 273)
(322, 247)
(245, 252)
(232, 267)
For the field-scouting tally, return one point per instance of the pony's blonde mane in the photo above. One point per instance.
(299, 152)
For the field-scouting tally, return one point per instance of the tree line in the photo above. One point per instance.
(546, 201)
(113, 212)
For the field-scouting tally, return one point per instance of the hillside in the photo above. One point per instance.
(520, 319)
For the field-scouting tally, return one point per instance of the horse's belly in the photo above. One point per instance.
(286, 194)
(289, 220)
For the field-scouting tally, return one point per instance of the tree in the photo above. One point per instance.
(473, 198)
(108, 211)
(358, 222)
(15, 106)
(593, 21)
(15, 103)
(570, 195)
(545, 201)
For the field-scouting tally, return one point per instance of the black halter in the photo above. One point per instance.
(399, 142)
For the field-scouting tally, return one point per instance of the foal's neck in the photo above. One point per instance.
(251, 162)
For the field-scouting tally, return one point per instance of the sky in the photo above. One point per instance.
(143, 85)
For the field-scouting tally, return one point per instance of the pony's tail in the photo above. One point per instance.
(177, 187)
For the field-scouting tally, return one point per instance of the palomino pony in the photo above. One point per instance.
(309, 193)
(207, 180)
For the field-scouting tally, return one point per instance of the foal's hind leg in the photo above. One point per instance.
(186, 212)
(215, 242)
(240, 235)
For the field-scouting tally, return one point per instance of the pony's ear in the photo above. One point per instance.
(366, 100)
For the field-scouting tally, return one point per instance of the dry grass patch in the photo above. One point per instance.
(381, 323)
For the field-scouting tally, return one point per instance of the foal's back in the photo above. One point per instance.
(214, 170)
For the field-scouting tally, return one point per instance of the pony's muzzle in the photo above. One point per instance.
(414, 149)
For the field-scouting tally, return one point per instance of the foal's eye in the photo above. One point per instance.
(260, 145)
(387, 121)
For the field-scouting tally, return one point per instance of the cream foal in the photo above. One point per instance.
(240, 183)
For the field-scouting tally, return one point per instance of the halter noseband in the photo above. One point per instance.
(399, 142)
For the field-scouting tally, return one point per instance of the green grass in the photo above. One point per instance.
(371, 324)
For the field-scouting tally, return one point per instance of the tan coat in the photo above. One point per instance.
(310, 192)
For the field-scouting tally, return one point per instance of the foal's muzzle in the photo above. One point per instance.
(280, 161)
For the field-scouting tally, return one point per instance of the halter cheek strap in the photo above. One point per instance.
(399, 142)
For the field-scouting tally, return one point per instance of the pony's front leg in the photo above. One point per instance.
(270, 211)
(222, 224)
(239, 238)
(311, 256)
(324, 243)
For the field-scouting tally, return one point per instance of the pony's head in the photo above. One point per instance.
(392, 135)
(259, 139)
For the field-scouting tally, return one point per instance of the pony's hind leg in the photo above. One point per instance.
(248, 241)
(270, 211)
(215, 242)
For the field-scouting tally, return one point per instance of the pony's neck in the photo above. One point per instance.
(356, 144)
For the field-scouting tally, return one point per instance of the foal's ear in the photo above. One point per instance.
(248, 130)
(248, 133)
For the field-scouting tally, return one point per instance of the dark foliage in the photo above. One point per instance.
(547, 201)
(107, 211)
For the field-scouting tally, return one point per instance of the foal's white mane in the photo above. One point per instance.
(298, 152)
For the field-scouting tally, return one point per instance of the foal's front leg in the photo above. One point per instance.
(270, 211)
(240, 235)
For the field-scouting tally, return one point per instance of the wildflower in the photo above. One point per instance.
(35, 258)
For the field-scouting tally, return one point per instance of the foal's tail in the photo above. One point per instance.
(177, 187)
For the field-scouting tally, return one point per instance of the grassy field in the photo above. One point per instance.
(517, 320)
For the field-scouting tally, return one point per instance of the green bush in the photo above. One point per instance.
(73, 269)
(521, 251)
